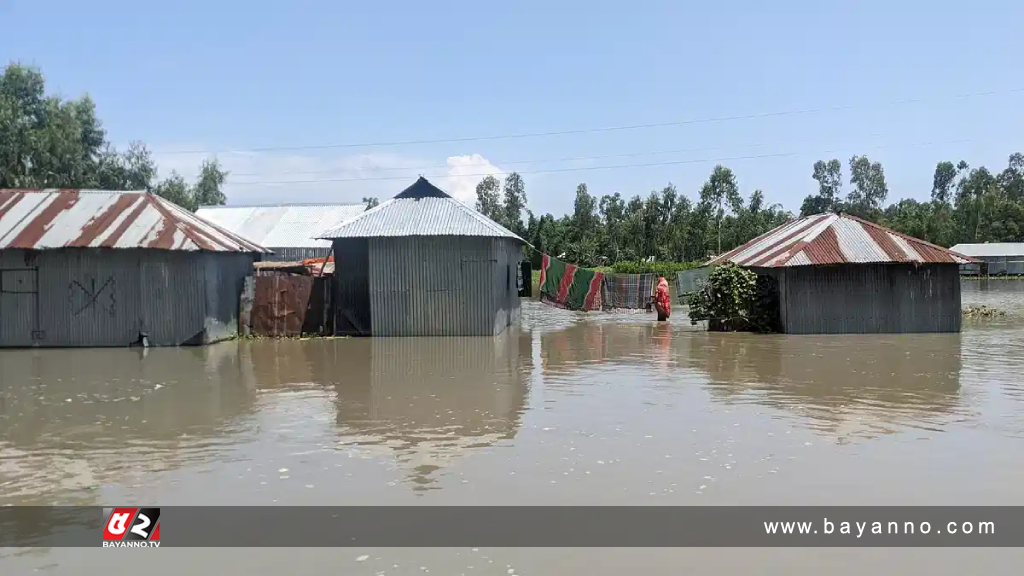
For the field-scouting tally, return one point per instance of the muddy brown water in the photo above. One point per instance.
(568, 409)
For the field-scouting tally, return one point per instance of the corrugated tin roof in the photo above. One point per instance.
(420, 210)
(835, 239)
(48, 219)
(284, 226)
(990, 249)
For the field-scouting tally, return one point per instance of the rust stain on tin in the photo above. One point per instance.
(37, 228)
(887, 244)
(123, 227)
(165, 238)
(100, 223)
(8, 199)
(825, 249)
(771, 254)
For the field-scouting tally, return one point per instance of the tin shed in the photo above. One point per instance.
(996, 258)
(82, 268)
(424, 264)
(287, 230)
(840, 274)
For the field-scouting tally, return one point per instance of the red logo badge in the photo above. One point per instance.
(131, 525)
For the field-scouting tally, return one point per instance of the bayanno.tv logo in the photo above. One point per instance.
(131, 527)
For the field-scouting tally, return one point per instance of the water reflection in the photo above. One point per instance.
(849, 386)
(430, 400)
(71, 419)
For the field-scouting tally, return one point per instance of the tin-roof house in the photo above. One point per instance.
(838, 273)
(424, 264)
(100, 268)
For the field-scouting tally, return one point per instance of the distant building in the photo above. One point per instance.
(839, 274)
(96, 268)
(424, 264)
(995, 259)
(286, 229)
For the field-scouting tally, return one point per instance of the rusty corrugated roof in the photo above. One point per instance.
(48, 219)
(836, 239)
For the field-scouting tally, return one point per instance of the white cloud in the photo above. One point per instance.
(271, 177)
(464, 173)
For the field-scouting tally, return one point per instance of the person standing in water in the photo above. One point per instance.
(662, 301)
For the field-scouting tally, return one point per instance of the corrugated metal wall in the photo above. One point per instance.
(95, 297)
(442, 286)
(295, 254)
(225, 280)
(351, 302)
(1011, 265)
(870, 298)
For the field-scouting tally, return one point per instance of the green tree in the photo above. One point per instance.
(51, 142)
(721, 192)
(177, 190)
(371, 202)
(208, 190)
(869, 188)
(829, 176)
(488, 198)
(514, 203)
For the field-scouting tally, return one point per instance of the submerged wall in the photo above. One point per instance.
(426, 286)
(105, 297)
(869, 298)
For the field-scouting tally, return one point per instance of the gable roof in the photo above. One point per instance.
(991, 249)
(51, 218)
(835, 239)
(420, 210)
(281, 226)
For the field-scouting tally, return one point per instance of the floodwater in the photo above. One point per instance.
(568, 409)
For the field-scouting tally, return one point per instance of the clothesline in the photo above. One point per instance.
(576, 288)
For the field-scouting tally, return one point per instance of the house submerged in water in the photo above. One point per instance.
(840, 274)
(83, 268)
(993, 259)
(424, 264)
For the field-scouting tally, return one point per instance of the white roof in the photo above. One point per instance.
(282, 226)
(991, 249)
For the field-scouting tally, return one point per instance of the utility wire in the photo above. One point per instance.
(600, 129)
(533, 161)
(587, 168)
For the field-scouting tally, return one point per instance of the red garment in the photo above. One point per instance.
(661, 297)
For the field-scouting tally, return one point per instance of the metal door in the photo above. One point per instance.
(19, 307)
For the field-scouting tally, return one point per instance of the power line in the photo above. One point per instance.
(596, 130)
(533, 161)
(587, 168)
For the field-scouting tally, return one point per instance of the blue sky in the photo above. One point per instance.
(232, 75)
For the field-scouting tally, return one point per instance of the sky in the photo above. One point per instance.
(296, 98)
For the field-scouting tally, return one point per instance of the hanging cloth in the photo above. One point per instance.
(569, 286)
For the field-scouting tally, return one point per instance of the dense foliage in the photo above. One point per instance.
(967, 205)
(51, 142)
(732, 298)
(666, 269)
(666, 226)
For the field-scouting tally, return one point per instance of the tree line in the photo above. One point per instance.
(47, 141)
(967, 205)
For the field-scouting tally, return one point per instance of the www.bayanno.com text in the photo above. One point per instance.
(859, 529)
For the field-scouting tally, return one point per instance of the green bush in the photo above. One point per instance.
(733, 298)
(666, 269)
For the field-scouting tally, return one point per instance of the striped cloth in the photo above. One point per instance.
(630, 291)
(569, 286)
